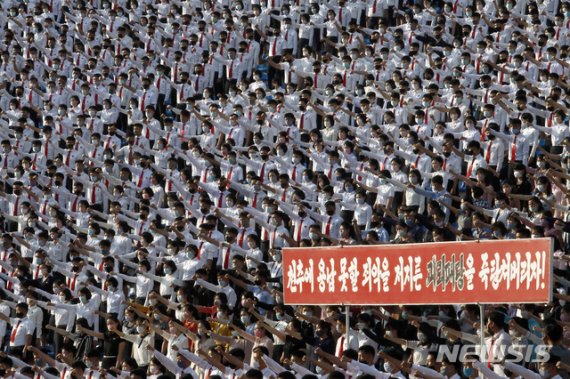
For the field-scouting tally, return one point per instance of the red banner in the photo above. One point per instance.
(486, 272)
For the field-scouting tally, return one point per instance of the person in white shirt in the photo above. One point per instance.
(474, 158)
(223, 286)
(365, 363)
(498, 343)
(36, 315)
(141, 340)
(143, 285)
(517, 144)
(22, 330)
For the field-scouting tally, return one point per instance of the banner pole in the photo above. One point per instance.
(347, 320)
(482, 328)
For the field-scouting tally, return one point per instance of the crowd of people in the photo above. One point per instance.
(158, 155)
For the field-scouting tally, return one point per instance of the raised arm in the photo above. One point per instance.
(90, 332)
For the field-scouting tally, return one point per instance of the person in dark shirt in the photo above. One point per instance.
(521, 185)
(113, 345)
(324, 338)
(201, 295)
(85, 341)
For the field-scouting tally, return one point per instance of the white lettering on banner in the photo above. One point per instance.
(299, 275)
(326, 276)
(484, 271)
(470, 272)
(523, 271)
(441, 272)
(409, 273)
(351, 274)
(376, 273)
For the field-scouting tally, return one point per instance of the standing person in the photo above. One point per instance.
(113, 346)
(22, 331)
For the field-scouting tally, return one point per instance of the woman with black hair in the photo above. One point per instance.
(324, 337)
(84, 342)
(521, 186)
(346, 235)
(86, 306)
(143, 284)
(113, 345)
(169, 280)
(292, 336)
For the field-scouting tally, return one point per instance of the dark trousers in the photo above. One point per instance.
(173, 97)
(11, 226)
(218, 85)
(318, 45)
(389, 16)
(108, 362)
(398, 199)
(274, 23)
(18, 352)
(330, 49)
(362, 22)
(58, 339)
(160, 104)
(373, 22)
(302, 43)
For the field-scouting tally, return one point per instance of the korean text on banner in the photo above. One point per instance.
(487, 272)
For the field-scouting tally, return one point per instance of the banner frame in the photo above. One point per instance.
(550, 269)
